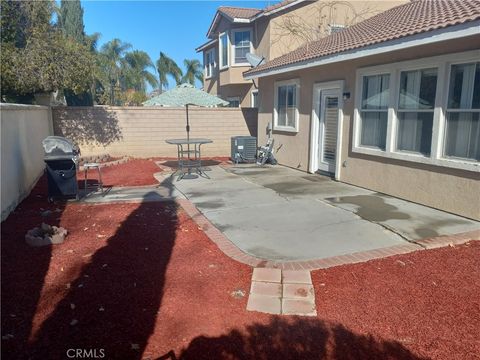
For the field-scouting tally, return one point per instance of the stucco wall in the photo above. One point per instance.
(292, 27)
(142, 131)
(456, 191)
(23, 128)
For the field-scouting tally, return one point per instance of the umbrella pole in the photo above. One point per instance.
(188, 134)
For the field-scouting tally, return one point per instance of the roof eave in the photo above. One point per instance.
(428, 37)
(229, 18)
(271, 12)
(206, 45)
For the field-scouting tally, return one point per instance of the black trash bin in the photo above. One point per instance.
(61, 159)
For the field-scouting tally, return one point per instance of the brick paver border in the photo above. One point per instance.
(229, 249)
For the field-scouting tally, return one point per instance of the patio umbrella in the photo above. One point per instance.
(184, 95)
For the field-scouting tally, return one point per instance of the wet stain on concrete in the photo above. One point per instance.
(301, 292)
(374, 208)
(291, 188)
(432, 229)
(316, 178)
(424, 233)
(210, 204)
(268, 253)
(224, 227)
(194, 194)
(248, 173)
(371, 207)
(255, 171)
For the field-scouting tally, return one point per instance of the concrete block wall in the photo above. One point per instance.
(23, 127)
(142, 131)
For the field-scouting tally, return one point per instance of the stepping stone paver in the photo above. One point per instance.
(267, 275)
(298, 307)
(296, 277)
(286, 292)
(265, 304)
(266, 288)
(298, 291)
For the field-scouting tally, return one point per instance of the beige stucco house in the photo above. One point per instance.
(391, 104)
(269, 33)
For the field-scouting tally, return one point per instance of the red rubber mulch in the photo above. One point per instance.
(142, 281)
(135, 172)
(138, 172)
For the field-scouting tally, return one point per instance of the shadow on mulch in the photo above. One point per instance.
(22, 283)
(294, 338)
(115, 297)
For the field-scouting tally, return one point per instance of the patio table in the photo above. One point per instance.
(189, 158)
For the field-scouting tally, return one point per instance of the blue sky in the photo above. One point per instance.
(173, 27)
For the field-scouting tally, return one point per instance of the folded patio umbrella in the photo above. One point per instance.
(184, 95)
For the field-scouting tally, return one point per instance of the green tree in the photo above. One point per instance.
(167, 67)
(35, 56)
(70, 20)
(137, 74)
(193, 70)
(91, 41)
(112, 64)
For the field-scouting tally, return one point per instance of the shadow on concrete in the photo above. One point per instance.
(173, 164)
(294, 338)
(87, 125)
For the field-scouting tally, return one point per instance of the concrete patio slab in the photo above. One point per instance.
(410, 220)
(134, 193)
(282, 215)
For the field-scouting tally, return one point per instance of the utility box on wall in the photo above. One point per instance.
(244, 149)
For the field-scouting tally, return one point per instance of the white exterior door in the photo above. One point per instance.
(328, 130)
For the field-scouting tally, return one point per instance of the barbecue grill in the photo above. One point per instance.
(61, 159)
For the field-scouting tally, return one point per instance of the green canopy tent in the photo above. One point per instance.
(184, 95)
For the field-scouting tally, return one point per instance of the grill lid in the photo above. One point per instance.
(57, 146)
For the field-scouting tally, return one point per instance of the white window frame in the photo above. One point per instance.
(251, 98)
(220, 52)
(232, 46)
(210, 66)
(277, 127)
(443, 64)
(443, 133)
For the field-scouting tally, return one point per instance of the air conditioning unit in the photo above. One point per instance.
(244, 149)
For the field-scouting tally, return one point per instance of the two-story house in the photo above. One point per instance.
(270, 33)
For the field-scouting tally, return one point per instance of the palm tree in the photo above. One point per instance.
(167, 67)
(137, 75)
(91, 41)
(113, 63)
(194, 70)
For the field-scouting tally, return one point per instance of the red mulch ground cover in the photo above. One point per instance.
(135, 172)
(138, 172)
(143, 281)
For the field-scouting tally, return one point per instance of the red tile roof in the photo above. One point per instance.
(408, 19)
(236, 12)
